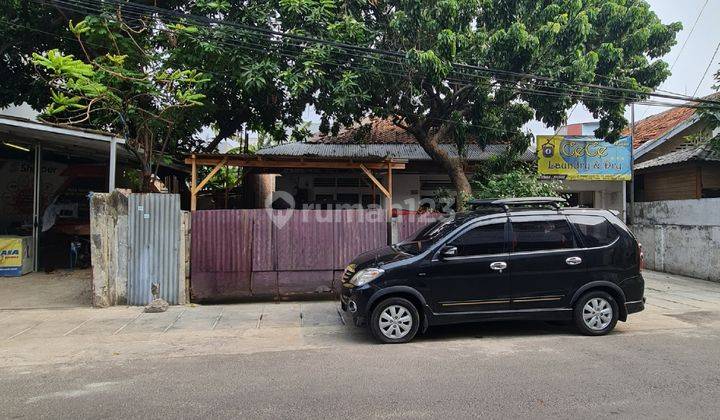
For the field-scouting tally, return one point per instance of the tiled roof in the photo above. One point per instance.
(383, 139)
(654, 127)
(687, 152)
(382, 131)
(409, 151)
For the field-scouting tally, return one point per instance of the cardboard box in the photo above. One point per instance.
(16, 256)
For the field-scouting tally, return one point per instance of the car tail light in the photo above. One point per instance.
(641, 257)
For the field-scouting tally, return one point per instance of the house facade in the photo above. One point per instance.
(673, 158)
(414, 186)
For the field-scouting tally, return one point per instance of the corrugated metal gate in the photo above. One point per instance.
(153, 247)
(243, 253)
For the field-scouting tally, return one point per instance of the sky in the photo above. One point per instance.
(691, 63)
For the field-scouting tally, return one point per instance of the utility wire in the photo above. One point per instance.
(692, 29)
(578, 94)
(682, 48)
(145, 10)
(533, 92)
(208, 21)
(513, 89)
(712, 59)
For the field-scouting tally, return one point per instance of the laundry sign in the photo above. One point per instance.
(584, 158)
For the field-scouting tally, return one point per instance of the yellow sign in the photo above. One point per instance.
(584, 158)
(11, 252)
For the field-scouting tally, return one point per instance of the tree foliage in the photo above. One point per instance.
(606, 42)
(244, 90)
(519, 182)
(257, 80)
(711, 117)
(27, 27)
(131, 87)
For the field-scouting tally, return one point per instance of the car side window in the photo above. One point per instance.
(482, 240)
(594, 230)
(541, 235)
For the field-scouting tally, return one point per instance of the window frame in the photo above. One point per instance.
(580, 237)
(577, 245)
(504, 220)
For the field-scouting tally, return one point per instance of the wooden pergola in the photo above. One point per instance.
(218, 161)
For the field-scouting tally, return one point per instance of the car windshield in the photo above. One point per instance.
(425, 237)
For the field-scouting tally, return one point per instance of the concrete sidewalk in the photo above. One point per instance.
(84, 334)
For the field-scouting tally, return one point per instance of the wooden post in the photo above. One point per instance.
(193, 183)
(389, 204)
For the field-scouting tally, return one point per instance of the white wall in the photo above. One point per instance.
(407, 188)
(680, 236)
(608, 194)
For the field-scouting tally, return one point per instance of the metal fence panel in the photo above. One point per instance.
(305, 241)
(263, 244)
(407, 225)
(357, 231)
(153, 247)
(273, 253)
(221, 254)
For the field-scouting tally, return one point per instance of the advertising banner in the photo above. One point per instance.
(15, 258)
(584, 158)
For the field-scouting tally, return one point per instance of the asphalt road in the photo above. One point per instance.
(501, 371)
(663, 363)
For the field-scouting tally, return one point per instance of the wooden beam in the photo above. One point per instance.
(389, 205)
(375, 181)
(210, 176)
(293, 164)
(390, 191)
(193, 182)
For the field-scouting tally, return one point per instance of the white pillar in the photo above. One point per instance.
(624, 201)
(112, 163)
(37, 170)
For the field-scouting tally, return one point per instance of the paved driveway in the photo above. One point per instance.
(67, 335)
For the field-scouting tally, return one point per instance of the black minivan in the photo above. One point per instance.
(523, 258)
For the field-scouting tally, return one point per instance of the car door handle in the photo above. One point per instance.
(573, 260)
(498, 265)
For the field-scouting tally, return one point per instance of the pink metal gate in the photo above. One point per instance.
(272, 254)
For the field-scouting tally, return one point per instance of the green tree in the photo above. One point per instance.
(27, 27)
(606, 42)
(519, 182)
(711, 117)
(131, 87)
(244, 90)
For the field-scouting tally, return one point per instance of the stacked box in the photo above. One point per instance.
(16, 256)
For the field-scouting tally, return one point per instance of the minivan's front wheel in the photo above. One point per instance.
(596, 313)
(394, 320)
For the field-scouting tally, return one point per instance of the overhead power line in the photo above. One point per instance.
(712, 60)
(155, 11)
(571, 94)
(682, 48)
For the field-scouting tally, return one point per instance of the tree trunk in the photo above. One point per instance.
(454, 166)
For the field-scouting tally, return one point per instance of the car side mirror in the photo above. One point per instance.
(448, 251)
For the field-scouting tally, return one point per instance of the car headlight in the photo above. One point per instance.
(366, 275)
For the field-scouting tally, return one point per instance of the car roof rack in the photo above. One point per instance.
(506, 203)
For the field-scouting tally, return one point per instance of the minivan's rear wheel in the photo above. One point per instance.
(596, 313)
(394, 320)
